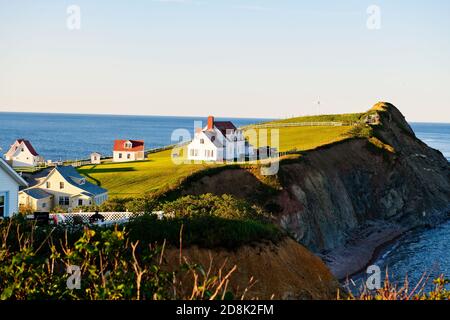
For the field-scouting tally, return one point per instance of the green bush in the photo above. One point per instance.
(34, 263)
(204, 231)
(208, 221)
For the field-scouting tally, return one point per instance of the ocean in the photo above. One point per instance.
(64, 136)
(424, 251)
(73, 137)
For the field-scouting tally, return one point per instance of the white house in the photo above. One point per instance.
(128, 150)
(63, 187)
(10, 182)
(219, 141)
(22, 154)
(96, 158)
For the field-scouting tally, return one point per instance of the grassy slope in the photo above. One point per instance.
(160, 173)
(306, 138)
(137, 178)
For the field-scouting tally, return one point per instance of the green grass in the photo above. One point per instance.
(136, 178)
(307, 138)
(346, 117)
(160, 174)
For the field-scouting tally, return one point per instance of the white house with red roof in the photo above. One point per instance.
(23, 154)
(218, 141)
(128, 150)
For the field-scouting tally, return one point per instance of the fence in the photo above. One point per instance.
(108, 218)
(298, 124)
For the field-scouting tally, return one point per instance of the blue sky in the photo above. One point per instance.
(248, 58)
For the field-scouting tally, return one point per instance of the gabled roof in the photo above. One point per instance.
(10, 171)
(137, 145)
(29, 146)
(37, 193)
(212, 136)
(69, 173)
(223, 126)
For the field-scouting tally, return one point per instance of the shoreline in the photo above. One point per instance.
(352, 257)
(363, 249)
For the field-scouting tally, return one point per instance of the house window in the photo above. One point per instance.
(44, 205)
(80, 202)
(2, 205)
(128, 145)
(64, 201)
(22, 150)
(48, 185)
(202, 141)
(213, 138)
(128, 156)
(120, 156)
(61, 185)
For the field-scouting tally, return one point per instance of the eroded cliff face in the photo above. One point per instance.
(345, 199)
(285, 270)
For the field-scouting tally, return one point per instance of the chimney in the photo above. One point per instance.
(210, 122)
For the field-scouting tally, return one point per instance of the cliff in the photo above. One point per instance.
(344, 200)
(285, 270)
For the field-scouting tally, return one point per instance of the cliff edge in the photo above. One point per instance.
(344, 200)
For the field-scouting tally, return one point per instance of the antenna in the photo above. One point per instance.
(318, 106)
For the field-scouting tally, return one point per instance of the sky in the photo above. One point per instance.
(229, 58)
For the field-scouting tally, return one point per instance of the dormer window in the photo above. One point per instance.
(82, 181)
(128, 145)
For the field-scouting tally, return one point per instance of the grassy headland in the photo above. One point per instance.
(159, 173)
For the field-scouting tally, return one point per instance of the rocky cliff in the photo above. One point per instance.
(344, 200)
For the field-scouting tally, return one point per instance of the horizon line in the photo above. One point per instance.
(173, 116)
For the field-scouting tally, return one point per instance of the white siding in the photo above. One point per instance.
(206, 151)
(128, 156)
(9, 186)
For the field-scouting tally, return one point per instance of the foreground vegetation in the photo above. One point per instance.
(37, 263)
(208, 221)
(128, 263)
(404, 292)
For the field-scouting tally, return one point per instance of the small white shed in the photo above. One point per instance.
(96, 158)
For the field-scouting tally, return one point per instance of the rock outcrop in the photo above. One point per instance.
(344, 200)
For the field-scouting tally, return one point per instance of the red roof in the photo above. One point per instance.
(137, 145)
(223, 126)
(29, 146)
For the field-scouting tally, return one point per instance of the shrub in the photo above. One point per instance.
(112, 267)
(114, 205)
(224, 206)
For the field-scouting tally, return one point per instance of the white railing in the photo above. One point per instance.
(108, 218)
(298, 124)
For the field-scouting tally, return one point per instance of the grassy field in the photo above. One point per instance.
(345, 117)
(137, 178)
(160, 173)
(306, 138)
